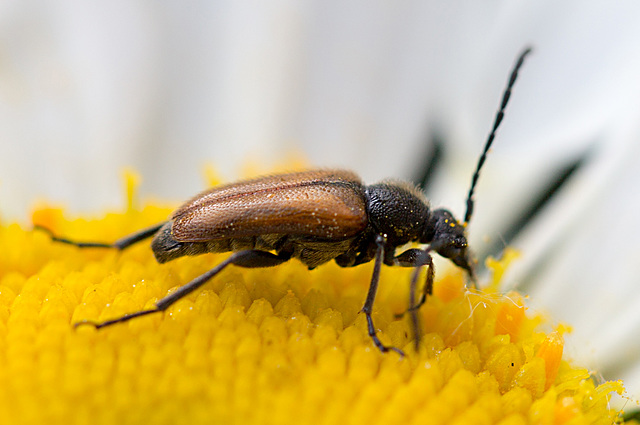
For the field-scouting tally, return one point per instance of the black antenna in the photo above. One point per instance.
(499, 115)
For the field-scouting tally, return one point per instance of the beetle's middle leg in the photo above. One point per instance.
(251, 258)
(371, 295)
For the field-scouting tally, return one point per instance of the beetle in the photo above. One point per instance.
(315, 216)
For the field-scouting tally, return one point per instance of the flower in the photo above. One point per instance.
(87, 90)
(280, 345)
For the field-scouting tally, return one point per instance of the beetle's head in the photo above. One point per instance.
(448, 238)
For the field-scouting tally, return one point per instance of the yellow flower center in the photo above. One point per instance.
(280, 345)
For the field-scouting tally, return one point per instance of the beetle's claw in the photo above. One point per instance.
(386, 349)
(87, 322)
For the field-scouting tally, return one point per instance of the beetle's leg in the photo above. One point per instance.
(248, 258)
(120, 244)
(417, 258)
(371, 295)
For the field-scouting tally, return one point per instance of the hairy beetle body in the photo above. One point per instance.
(315, 216)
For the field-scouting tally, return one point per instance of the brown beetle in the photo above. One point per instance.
(314, 216)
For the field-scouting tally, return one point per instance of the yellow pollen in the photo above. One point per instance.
(282, 345)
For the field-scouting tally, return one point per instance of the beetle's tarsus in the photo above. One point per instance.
(372, 333)
(86, 322)
(121, 319)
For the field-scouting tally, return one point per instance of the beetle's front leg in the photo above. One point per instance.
(418, 258)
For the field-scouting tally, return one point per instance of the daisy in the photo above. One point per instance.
(89, 89)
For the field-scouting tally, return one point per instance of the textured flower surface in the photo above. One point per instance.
(88, 89)
(281, 345)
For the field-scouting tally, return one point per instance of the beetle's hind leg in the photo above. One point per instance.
(249, 258)
(120, 244)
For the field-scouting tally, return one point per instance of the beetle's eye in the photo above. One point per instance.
(460, 242)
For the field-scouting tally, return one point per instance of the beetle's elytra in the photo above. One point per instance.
(314, 216)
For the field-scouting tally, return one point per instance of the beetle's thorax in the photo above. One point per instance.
(397, 210)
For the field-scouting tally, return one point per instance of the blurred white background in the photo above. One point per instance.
(89, 88)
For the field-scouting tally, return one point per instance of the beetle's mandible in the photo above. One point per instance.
(314, 216)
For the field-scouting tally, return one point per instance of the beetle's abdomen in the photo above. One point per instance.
(327, 204)
(311, 253)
